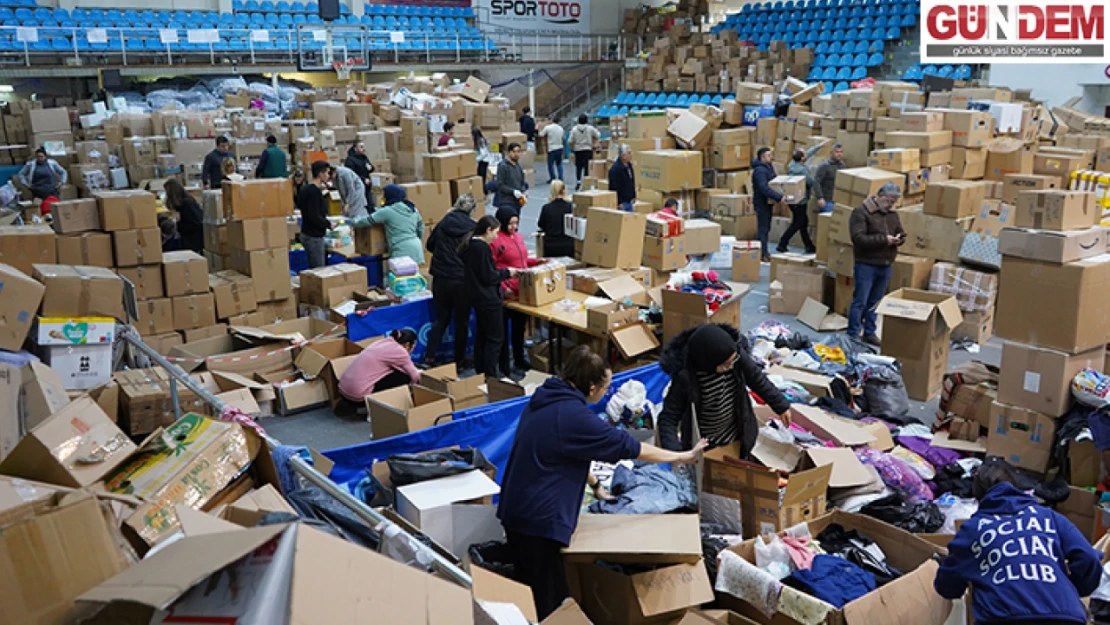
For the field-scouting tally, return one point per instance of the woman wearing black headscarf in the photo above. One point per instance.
(711, 370)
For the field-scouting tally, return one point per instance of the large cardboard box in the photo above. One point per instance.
(268, 268)
(419, 503)
(432, 199)
(910, 272)
(137, 247)
(446, 166)
(614, 238)
(1007, 155)
(1051, 246)
(932, 236)
(1039, 378)
(746, 261)
(74, 291)
(193, 311)
(954, 198)
(969, 163)
(256, 199)
(665, 254)
(56, 452)
(189, 465)
(464, 392)
(126, 210)
(1015, 184)
(690, 131)
(20, 300)
(916, 329)
(866, 181)
(1021, 436)
(1078, 318)
(233, 293)
(542, 284)
(402, 410)
(91, 249)
(146, 400)
(702, 237)
(257, 234)
(1057, 210)
(327, 286)
(682, 311)
(669, 170)
(647, 124)
(71, 216)
(155, 316)
(23, 246)
(185, 272)
(147, 280)
(608, 597)
(970, 129)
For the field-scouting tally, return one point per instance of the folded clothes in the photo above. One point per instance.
(834, 580)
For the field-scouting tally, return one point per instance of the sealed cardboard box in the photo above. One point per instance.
(126, 210)
(731, 205)
(690, 131)
(257, 234)
(233, 293)
(327, 286)
(1057, 210)
(147, 280)
(56, 451)
(472, 185)
(71, 216)
(1076, 321)
(446, 166)
(916, 328)
(669, 170)
(865, 181)
(542, 284)
(155, 316)
(146, 400)
(910, 272)
(1015, 184)
(896, 159)
(92, 249)
(1021, 436)
(268, 268)
(954, 198)
(20, 301)
(185, 272)
(746, 261)
(255, 199)
(792, 188)
(1039, 378)
(969, 163)
(665, 254)
(432, 199)
(75, 291)
(23, 246)
(405, 409)
(1007, 155)
(969, 128)
(928, 121)
(371, 241)
(647, 124)
(702, 237)
(1052, 246)
(193, 311)
(48, 120)
(932, 236)
(614, 238)
(137, 247)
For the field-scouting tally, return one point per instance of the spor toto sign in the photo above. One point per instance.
(540, 15)
(1000, 31)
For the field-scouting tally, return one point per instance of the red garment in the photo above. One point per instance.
(47, 204)
(670, 211)
(510, 252)
(444, 140)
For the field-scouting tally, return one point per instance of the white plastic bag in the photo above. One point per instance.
(772, 557)
(1091, 388)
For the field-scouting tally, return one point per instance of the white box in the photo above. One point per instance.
(416, 501)
(80, 367)
(1007, 116)
(722, 259)
(460, 525)
(78, 331)
(119, 178)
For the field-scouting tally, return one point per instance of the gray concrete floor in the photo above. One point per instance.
(320, 429)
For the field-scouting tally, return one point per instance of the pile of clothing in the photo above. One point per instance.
(707, 283)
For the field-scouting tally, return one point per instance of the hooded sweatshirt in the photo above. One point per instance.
(404, 228)
(444, 242)
(1024, 562)
(583, 137)
(556, 439)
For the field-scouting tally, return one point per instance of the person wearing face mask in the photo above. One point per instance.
(557, 438)
(711, 371)
(876, 236)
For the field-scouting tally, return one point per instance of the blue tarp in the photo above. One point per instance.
(490, 428)
(416, 316)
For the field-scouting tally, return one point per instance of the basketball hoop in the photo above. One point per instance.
(343, 68)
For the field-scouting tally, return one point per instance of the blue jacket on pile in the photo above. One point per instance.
(1024, 562)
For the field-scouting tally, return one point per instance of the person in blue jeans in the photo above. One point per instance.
(764, 198)
(554, 135)
(876, 235)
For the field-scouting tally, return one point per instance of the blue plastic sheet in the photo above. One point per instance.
(417, 316)
(490, 428)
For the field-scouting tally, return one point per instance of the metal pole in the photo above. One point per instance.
(458, 49)
(427, 47)
(372, 517)
(532, 90)
(176, 403)
(250, 40)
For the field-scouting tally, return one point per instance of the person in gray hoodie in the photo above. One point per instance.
(353, 192)
(583, 138)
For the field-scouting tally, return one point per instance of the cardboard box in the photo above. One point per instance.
(1015, 184)
(23, 246)
(146, 400)
(446, 166)
(147, 280)
(669, 170)
(932, 236)
(1052, 246)
(193, 311)
(233, 293)
(185, 272)
(792, 188)
(1039, 379)
(126, 210)
(793, 286)
(421, 502)
(256, 199)
(56, 450)
(667, 254)
(472, 185)
(401, 410)
(702, 237)
(969, 163)
(74, 291)
(137, 247)
(1007, 155)
(746, 261)
(371, 241)
(327, 286)
(268, 268)
(155, 316)
(542, 284)
(48, 120)
(72, 216)
(969, 128)
(660, 595)
(896, 159)
(916, 329)
(910, 272)
(92, 249)
(432, 199)
(257, 234)
(928, 121)
(1021, 437)
(614, 238)
(506, 388)
(690, 131)
(1057, 210)
(464, 392)
(193, 462)
(954, 198)
(20, 301)
(1077, 319)
(688, 310)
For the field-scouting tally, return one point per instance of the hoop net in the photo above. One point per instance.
(343, 69)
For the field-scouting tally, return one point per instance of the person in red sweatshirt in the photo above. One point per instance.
(510, 252)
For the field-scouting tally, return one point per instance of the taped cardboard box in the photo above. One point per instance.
(90, 249)
(1021, 436)
(1057, 210)
(74, 291)
(1052, 246)
(269, 269)
(256, 199)
(607, 596)
(746, 261)
(669, 170)
(402, 410)
(932, 236)
(614, 238)
(23, 246)
(126, 210)
(72, 216)
(917, 326)
(1039, 379)
(257, 234)
(542, 284)
(974, 290)
(22, 296)
(146, 400)
(233, 293)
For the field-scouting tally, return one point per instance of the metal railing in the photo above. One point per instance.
(597, 81)
(368, 515)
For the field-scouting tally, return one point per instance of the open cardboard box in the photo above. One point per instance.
(500, 389)
(682, 311)
(830, 427)
(817, 384)
(612, 598)
(464, 393)
(908, 599)
(262, 393)
(405, 409)
(327, 359)
(294, 392)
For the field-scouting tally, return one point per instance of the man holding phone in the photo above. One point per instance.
(876, 235)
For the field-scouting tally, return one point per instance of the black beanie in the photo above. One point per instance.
(709, 347)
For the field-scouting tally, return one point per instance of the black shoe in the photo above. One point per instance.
(811, 250)
(781, 250)
(524, 364)
(467, 372)
(871, 339)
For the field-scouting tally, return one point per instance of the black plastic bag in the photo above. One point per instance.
(885, 392)
(493, 556)
(920, 518)
(407, 469)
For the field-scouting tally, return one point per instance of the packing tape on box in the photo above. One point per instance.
(287, 348)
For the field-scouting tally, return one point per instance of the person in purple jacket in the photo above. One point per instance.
(549, 466)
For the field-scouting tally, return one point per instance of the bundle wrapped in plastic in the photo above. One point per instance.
(407, 285)
(629, 406)
(1091, 388)
(403, 266)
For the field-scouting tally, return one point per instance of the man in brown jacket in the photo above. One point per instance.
(876, 234)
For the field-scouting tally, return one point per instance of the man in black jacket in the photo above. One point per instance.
(528, 124)
(448, 287)
(358, 162)
(826, 177)
(314, 215)
(622, 179)
(212, 173)
(763, 196)
(711, 370)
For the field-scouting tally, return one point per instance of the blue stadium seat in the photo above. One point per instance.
(840, 86)
(297, 6)
(963, 72)
(829, 73)
(875, 59)
(892, 34)
(859, 73)
(251, 5)
(835, 48)
(814, 74)
(314, 18)
(313, 8)
(237, 5)
(859, 59)
(833, 60)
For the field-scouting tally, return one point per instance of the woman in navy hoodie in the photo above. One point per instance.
(1025, 563)
(549, 466)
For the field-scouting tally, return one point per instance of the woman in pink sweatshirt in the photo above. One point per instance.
(510, 252)
(383, 365)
